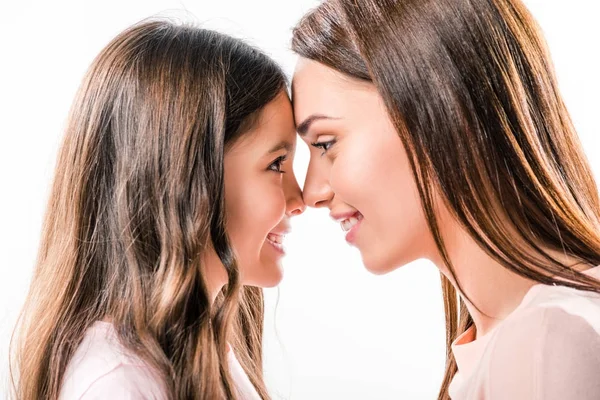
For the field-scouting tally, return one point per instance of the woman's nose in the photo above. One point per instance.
(317, 191)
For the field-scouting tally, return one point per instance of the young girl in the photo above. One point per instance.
(173, 191)
(437, 131)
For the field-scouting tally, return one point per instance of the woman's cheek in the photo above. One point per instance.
(351, 175)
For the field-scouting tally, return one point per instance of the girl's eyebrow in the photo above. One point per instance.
(285, 145)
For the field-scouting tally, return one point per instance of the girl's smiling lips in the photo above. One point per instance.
(276, 236)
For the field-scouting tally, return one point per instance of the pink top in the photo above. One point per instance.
(102, 368)
(547, 348)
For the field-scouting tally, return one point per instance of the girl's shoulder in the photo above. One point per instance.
(102, 368)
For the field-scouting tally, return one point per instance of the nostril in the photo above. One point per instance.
(317, 196)
(298, 210)
(320, 203)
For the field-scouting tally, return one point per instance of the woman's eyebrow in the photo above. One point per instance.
(305, 125)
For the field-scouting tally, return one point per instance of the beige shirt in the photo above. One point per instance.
(547, 348)
(102, 369)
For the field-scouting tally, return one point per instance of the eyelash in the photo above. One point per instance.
(275, 166)
(325, 146)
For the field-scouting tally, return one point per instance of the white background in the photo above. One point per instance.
(337, 332)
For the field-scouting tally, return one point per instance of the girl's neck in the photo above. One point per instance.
(214, 274)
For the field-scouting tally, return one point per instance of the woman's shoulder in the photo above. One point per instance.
(552, 311)
(101, 367)
(555, 304)
(549, 348)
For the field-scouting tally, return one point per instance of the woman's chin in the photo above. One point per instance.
(378, 265)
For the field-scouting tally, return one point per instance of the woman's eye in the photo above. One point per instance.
(276, 165)
(323, 145)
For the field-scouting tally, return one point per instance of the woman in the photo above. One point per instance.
(173, 190)
(437, 131)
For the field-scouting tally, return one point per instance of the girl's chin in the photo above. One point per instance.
(269, 275)
(274, 277)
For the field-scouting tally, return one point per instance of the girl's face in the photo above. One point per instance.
(358, 167)
(261, 193)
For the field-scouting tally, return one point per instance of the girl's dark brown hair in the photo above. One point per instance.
(471, 90)
(137, 201)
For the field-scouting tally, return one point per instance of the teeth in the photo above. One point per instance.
(347, 224)
(274, 238)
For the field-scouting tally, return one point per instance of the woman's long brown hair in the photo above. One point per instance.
(471, 90)
(137, 201)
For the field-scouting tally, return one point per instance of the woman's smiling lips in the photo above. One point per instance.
(350, 222)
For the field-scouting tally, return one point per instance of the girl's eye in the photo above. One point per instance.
(276, 165)
(324, 145)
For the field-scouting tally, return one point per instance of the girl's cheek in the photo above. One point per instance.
(272, 206)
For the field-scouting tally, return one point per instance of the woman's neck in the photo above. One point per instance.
(491, 292)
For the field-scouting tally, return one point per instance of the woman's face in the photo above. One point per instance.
(358, 167)
(261, 193)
